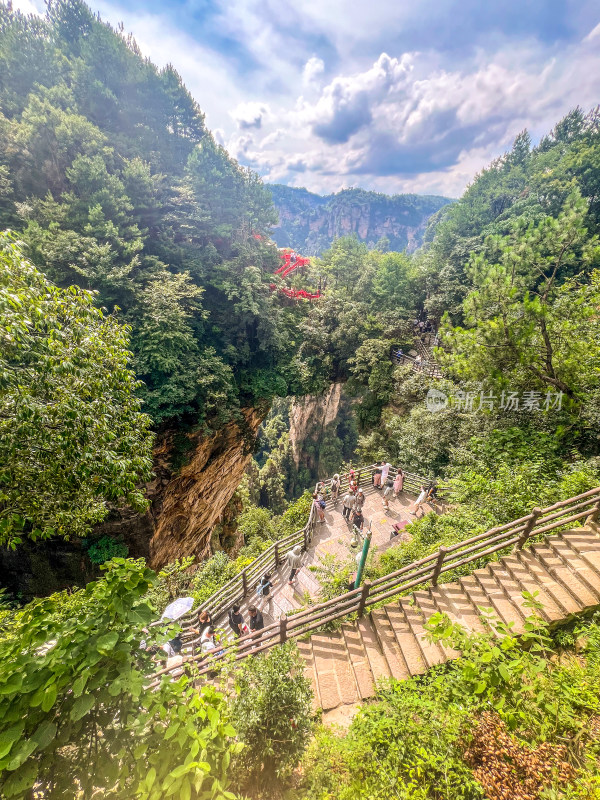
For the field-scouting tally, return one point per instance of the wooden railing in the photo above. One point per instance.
(242, 584)
(420, 573)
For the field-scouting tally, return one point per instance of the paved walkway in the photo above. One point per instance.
(391, 641)
(331, 537)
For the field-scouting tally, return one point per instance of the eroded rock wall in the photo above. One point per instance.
(187, 506)
(309, 417)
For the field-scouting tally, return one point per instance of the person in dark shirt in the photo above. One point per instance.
(205, 620)
(236, 621)
(257, 622)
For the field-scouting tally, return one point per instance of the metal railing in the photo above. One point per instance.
(420, 573)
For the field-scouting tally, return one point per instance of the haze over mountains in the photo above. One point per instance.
(310, 222)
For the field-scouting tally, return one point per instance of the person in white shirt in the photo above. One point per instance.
(420, 500)
(385, 469)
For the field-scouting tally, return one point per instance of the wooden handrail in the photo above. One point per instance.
(539, 521)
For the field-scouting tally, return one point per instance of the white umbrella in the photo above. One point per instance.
(178, 608)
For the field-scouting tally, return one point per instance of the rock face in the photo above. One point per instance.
(186, 508)
(309, 222)
(309, 417)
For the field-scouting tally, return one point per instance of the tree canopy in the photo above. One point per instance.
(72, 436)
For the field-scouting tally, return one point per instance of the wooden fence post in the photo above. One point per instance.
(438, 565)
(595, 515)
(282, 629)
(244, 582)
(366, 588)
(276, 554)
(306, 538)
(529, 526)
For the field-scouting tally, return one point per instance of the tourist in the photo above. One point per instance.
(173, 646)
(204, 621)
(420, 500)
(257, 622)
(398, 482)
(264, 586)
(335, 489)
(294, 560)
(208, 642)
(352, 482)
(319, 504)
(418, 362)
(377, 477)
(387, 493)
(236, 621)
(385, 470)
(399, 354)
(358, 520)
(348, 504)
(359, 501)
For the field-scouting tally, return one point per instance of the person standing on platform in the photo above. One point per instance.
(398, 482)
(294, 560)
(348, 504)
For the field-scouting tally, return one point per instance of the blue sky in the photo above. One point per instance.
(388, 95)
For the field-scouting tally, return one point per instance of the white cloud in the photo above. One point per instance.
(29, 6)
(313, 69)
(250, 115)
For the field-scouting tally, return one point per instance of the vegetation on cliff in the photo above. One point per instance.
(310, 222)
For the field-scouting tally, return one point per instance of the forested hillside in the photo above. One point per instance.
(310, 222)
(161, 399)
(113, 183)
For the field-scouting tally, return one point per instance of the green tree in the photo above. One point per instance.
(79, 714)
(532, 313)
(271, 713)
(72, 437)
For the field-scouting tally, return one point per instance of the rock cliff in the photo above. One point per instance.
(309, 417)
(187, 506)
(309, 222)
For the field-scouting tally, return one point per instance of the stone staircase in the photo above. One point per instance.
(429, 362)
(391, 641)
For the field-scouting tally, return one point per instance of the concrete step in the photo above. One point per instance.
(464, 612)
(548, 582)
(432, 653)
(387, 636)
(506, 610)
(377, 661)
(430, 603)
(551, 611)
(588, 547)
(477, 596)
(359, 661)
(405, 641)
(305, 649)
(332, 667)
(580, 564)
(563, 573)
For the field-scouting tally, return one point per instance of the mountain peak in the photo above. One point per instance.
(310, 222)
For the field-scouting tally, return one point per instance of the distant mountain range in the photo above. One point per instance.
(310, 222)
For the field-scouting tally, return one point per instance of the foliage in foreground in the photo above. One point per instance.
(527, 713)
(77, 713)
(271, 713)
(72, 436)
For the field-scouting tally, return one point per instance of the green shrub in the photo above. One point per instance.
(271, 712)
(78, 716)
(105, 548)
